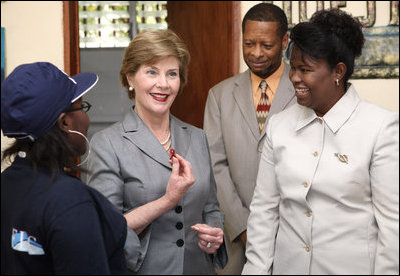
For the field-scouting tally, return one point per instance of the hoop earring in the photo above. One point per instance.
(337, 82)
(87, 143)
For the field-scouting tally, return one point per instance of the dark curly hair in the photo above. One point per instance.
(331, 35)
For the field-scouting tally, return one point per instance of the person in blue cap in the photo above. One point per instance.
(51, 222)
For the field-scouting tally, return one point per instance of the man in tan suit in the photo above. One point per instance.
(236, 131)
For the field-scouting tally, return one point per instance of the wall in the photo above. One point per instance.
(33, 32)
(384, 92)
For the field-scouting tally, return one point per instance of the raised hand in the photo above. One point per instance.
(180, 180)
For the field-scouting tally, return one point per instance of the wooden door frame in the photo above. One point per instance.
(235, 36)
(71, 37)
(71, 44)
(211, 31)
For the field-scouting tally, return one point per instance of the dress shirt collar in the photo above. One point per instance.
(336, 116)
(272, 81)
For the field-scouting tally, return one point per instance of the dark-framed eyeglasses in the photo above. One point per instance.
(85, 107)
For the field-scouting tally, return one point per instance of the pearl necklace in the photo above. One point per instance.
(166, 141)
(169, 147)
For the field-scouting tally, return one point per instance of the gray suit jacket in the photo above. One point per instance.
(130, 167)
(236, 143)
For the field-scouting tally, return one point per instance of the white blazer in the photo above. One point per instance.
(327, 194)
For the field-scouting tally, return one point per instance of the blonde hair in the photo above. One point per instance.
(149, 47)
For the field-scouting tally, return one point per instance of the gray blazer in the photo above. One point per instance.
(235, 143)
(130, 167)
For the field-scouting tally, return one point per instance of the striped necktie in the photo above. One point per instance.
(263, 106)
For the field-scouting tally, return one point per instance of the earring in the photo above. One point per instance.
(130, 88)
(337, 82)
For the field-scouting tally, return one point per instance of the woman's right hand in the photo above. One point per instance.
(180, 180)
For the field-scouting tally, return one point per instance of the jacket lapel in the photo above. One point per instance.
(244, 99)
(181, 136)
(283, 96)
(139, 134)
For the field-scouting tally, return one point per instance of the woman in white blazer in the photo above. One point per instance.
(178, 224)
(327, 193)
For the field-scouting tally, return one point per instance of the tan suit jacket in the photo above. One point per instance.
(235, 145)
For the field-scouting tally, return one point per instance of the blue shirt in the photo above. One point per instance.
(60, 227)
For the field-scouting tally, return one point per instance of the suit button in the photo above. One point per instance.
(180, 243)
(307, 248)
(179, 225)
(178, 209)
(315, 153)
(308, 213)
(305, 184)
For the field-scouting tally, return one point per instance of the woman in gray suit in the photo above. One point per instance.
(174, 227)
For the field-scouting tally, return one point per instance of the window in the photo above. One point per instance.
(151, 15)
(105, 24)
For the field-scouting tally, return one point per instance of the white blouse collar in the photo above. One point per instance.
(336, 116)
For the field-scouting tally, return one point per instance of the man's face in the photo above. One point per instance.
(262, 47)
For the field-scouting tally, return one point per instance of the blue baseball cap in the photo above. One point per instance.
(35, 94)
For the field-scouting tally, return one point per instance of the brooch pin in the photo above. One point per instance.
(342, 158)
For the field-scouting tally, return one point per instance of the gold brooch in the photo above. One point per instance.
(342, 158)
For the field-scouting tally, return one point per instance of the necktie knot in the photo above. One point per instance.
(263, 86)
(263, 106)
